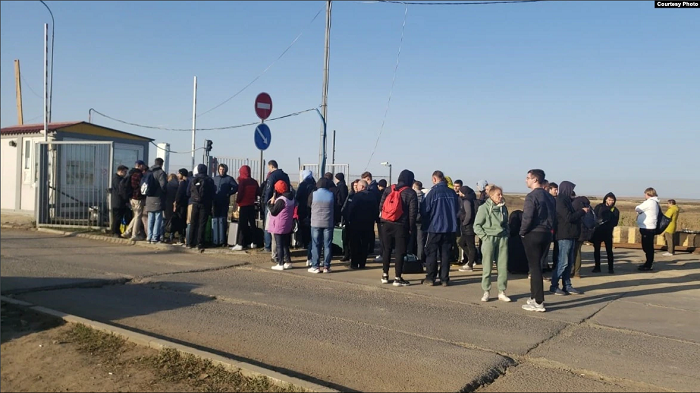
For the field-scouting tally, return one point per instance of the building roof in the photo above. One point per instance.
(25, 129)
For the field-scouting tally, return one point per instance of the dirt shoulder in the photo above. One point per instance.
(40, 353)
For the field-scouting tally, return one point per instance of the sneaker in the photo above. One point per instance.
(287, 266)
(385, 278)
(466, 268)
(531, 301)
(428, 283)
(326, 269)
(378, 259)
(667, 254)
(574, 291)
(595, 270)
(253, 246)
(529, 276)
(502, 296)
(445, 283)
(314, 270)
(558, 292)
(309, 263)
(237, 247)
(277, 267)
(400, 282)
(534, 307)
(485, 298)
(645, 269)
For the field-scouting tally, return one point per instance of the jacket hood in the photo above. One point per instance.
(244, 172)
(566, 189)
(468, 192)
(305, 174)
(324, 183)
(581, 202)
(449, 182)
(201, 169)
(406, 179)
(155, 167)
(610, 195)
(481, 184)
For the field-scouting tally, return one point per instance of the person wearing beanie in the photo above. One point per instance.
(467, 214)
(399, 210)
(202, 191)
(245, 199)
(281, 207)
(322, 207)
(225, 187)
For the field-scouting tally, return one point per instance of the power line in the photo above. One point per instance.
(458, 3)
(200, 129)
(268, 67)
(391, 91)
(175, 152)
(30, 88)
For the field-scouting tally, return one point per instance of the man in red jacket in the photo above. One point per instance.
(247, 192)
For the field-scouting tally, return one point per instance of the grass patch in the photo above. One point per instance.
(170, 365)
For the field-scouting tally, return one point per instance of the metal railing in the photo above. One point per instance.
(234, 164)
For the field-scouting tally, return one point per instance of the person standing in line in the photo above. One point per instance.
(360, 214)
(609, 217)
(536, 230)
(202, 190)
(136, 228)
(568, 232)
(671, 213)
(281, 206)
(245, 199)
(274, 175)
(169, 208)
(225, 187)
(417, 240)
(439, 213)
(468, 236)
(491, 225)
(553, 190)
(374, 190)
(117, 202)
(647, 216)
(304, 190)
(181, 204)
(155, 201)
(322, 208)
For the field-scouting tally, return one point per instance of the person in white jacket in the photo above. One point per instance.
(647, 215)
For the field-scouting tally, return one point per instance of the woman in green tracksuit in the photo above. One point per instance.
(491, 225)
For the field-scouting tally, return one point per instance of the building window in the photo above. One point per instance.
(27, 154)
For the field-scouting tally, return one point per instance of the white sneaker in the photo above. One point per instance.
(530, 301)
(237, 247)
(485, 298)
(667, 254)
(287, 266)
(309, 263)
(534, 307)
(502, 296)
(313, 270)
(253, 245)
(277, 267)
(327, 270)
(378, 259)
(466, 268)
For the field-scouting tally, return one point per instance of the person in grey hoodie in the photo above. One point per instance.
(155, 202)
(322, 208)
(491, 225)
(225, 187)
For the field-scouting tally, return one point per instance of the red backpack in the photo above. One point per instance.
(392, 209)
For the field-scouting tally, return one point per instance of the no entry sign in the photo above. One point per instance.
(263, 106)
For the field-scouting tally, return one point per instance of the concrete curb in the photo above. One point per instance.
(245, 369)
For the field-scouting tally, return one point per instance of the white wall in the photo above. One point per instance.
(28, 181)
(9, 172)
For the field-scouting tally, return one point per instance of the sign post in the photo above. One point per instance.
(262, 136)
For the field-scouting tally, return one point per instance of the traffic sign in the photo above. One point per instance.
(263, 106)
(262, 136)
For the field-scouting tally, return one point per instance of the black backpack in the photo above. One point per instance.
(200, 189)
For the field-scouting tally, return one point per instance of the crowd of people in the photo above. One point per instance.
(435, 227)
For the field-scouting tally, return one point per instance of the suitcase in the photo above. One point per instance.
(412, 265)
(233, 234)
(338, 247)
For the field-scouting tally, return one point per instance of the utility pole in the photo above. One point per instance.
(324, 104)
(18, 89)
(194, 121)
(46, 82)
(333, 154)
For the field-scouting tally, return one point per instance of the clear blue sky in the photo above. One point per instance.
(588, 91)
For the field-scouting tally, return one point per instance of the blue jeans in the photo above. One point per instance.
(567, 256)
(218, 230)
(318, 236)
(268, 235)
(155, 226)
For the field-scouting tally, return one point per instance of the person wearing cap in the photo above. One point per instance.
(202, 191)
(281, 207)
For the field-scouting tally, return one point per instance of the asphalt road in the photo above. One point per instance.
(629, 332)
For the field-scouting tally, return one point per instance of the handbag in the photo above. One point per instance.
(662, 222)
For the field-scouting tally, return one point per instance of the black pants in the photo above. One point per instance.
(398, 234)
(282, 243)
(468, 244)
(536, 243)
(347, 254)
(370, 245)
(648, 246)
(597, 240)
(246, 225)
(117, 217)
(359, 239)
(198, 224)
(434, 244)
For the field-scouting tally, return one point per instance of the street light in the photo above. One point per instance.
(389, 165)
(53, 30)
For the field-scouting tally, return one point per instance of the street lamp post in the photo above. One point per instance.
(389, 165)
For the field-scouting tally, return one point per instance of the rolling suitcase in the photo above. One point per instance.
(233, 234)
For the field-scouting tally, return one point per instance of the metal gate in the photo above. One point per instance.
(332, 168)
(234, 164)
(74, 183)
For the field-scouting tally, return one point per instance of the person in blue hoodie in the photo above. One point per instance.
(225, 187)
(439, 212)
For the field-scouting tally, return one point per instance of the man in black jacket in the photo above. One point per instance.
(609, 216)
(568, 232)
(360, 215)
(274, 175)
(117, 202)
(467, 213)
(306, 187)
(202, 190)
(373, 189)
(398, 228)
(536, 228)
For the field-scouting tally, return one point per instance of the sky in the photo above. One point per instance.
(603, 94)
